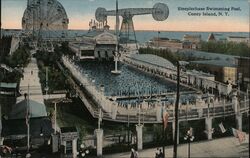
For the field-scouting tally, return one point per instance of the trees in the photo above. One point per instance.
(20, 58)
(229, 48)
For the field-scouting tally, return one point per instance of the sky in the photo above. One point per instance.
(80, 12)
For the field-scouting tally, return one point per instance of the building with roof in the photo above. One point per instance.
(243, 65)
(8, 88)
(152, 60)
(223, 70)
(193, 40)
(96, 44)
(15, 125)
(238, 39)
(211, 38)
(161, 42)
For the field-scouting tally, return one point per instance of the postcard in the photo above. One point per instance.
(124, 78)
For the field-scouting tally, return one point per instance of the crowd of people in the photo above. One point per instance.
(159, 153)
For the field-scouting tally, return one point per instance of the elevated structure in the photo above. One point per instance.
(159, 12)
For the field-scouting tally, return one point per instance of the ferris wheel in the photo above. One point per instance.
(45, 18)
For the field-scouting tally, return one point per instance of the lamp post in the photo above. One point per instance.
(64, 100)
(83, 151)
(189, 137)
(179, 64)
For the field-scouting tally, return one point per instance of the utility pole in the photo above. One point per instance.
(163, 133)
(1, 20)
(177, 110)
(116, 71)
(0, 124)
(55, 115)
(128, 113)
(28, 123)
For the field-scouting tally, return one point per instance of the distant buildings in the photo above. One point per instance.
(192, 38)
(238, 39)
(224, 71)
(191, 41)
(171, 44)
(211, 38)
(188, 42)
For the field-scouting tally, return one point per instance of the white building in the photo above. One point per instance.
(96, 44)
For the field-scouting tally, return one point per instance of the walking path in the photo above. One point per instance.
(223, 147)
(31, 82)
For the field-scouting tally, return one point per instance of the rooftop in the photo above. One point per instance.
(208, 55)
(236, 37)
(221, 63)
(153, 59)
(36, 109)
(8, 85)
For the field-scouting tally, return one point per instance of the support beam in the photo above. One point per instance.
(64, 143)
(99, 141)
(239, 121)
(55, 143)
(158, 113)
(178, 132)
(139, 137)
(235, 103)
(209, 130)
(74, 148)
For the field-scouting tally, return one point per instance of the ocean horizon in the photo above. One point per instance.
(143, 36)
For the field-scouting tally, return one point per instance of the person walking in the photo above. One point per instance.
(157, 153)
(160, 154)
(132, 155)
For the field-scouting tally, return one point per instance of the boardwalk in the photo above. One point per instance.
(223, 147)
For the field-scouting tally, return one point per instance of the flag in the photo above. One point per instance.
(239, 134)
(165, 119)
(223, 130)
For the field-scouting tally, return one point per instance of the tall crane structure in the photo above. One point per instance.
(159, 12)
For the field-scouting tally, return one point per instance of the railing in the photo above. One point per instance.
(97, 96)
